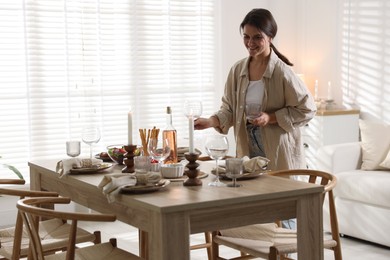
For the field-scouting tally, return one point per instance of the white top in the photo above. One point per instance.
(255, 92)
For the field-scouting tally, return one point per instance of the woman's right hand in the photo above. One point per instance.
(204, 123)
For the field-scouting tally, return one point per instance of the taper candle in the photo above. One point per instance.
(130, 128)
(316, 90)
(329, 97)
(191, 133)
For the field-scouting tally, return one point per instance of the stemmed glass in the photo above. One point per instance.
(90, 135)
(234, 169)
(193, 108)
(217, 147)
(159, 151)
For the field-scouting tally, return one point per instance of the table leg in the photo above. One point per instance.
(169, 237)
(309, 228)
(143, 244)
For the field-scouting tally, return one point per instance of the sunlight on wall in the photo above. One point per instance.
(365, 59)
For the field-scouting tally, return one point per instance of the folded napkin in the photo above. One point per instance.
(64, 166)
(111, 184)
(255, 164)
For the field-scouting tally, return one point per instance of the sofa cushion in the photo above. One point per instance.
(370, 187)
(375, 144)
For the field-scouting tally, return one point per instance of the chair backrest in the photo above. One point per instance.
(21, 194)
(30, 210)
(12, 181)
(329, 181)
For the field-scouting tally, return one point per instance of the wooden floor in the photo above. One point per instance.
(127, 237)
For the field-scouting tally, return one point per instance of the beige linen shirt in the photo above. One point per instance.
(286, 96)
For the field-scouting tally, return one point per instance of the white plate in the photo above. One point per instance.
(184, 177)
(244, 176)
(101, 167)
(145, 188)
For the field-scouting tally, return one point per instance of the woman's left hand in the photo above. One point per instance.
(264, 119)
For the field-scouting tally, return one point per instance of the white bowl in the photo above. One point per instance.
(173, 170)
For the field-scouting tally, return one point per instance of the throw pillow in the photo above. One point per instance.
(375, 144)
(386, 162)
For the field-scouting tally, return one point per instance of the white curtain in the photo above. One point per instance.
(63, 63)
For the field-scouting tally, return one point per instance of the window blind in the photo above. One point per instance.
(65, 63)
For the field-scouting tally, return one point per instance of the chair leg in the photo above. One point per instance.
(337, 252)
(98, 237)
(113, 242)
(214, 246)
(273, 253)
(208, 238)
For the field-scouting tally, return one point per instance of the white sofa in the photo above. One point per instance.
(362, 197)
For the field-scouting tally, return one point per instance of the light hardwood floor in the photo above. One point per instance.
(127, 237)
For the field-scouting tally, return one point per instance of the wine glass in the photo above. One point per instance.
(193, 108)
(217, 147)
(73, 148)
(234, 169)
(159, 151)
(90, 135)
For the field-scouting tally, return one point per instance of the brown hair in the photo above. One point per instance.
(263, 20)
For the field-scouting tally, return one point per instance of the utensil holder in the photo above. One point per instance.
(129, 158)
(192, 172)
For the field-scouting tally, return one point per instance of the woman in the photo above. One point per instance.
(264, 78)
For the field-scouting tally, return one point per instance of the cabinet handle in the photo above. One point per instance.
(305, 145)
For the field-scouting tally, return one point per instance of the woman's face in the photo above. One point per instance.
(256, 42)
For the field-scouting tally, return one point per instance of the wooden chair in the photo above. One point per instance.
(14, 241)
(30, 210)
(207, 244)
(280, 241)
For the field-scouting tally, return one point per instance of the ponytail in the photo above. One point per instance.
(281, 56)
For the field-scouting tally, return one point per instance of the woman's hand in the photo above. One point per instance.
(204, 123)
(264, 119)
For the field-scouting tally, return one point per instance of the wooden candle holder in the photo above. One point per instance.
(192, 172)
(129, 158)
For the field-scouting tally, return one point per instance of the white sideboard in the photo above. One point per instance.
(329, 127)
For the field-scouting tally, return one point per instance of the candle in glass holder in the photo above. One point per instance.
(129, 128)
(316, 90)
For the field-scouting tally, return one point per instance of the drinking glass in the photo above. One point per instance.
(252, 110)
(234, 169)
(142, 163)
(217, 147)
(90, 135)
(73, 148)
(159, 151)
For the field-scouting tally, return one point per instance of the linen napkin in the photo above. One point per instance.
(254, 164)
(64, 166)
(111, 184)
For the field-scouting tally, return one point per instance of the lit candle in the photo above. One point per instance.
(129, 128)
(316, 90)
(191, 133)
(329, 91)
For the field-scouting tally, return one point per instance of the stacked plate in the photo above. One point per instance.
(182, 150)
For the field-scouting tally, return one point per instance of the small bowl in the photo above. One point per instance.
(116, 153)
(173, 170)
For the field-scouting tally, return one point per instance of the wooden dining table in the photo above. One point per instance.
(170, 214)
